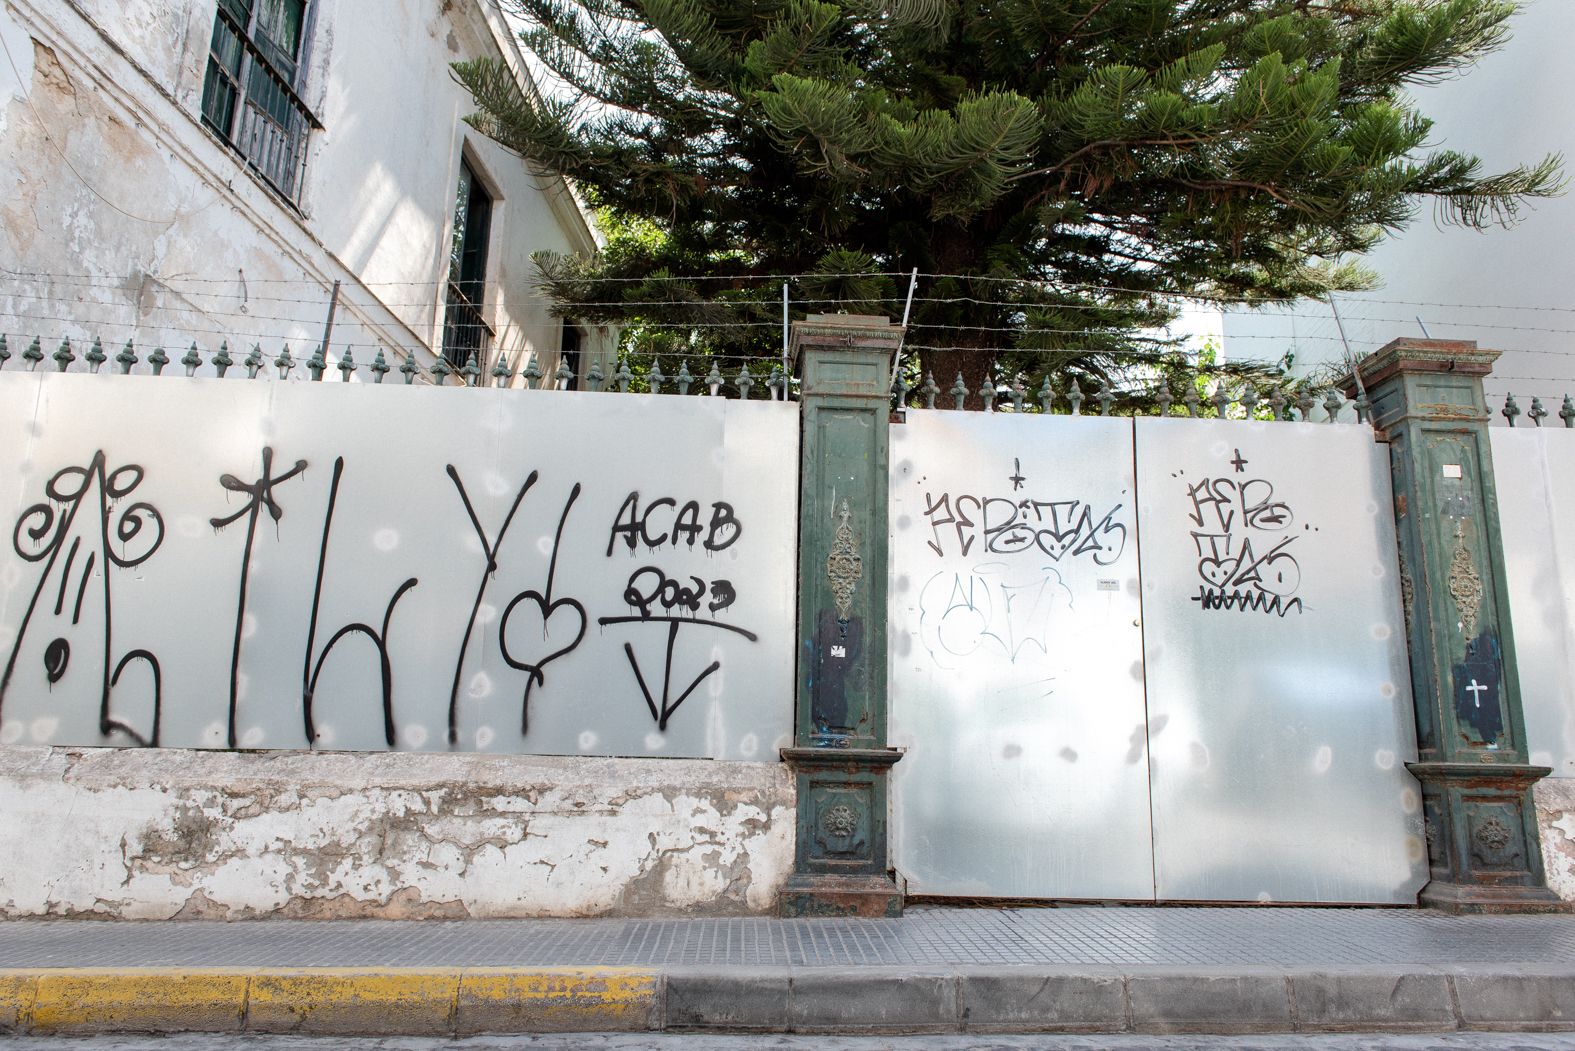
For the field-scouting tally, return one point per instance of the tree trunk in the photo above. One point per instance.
(972, 364)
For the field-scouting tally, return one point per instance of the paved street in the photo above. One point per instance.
(686, 1042)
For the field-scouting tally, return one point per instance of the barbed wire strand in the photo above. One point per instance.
(773, 304)
(112, 281)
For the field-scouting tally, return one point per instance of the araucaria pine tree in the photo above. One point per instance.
(1073, 164)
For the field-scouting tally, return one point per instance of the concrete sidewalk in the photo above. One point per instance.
(1146, 970)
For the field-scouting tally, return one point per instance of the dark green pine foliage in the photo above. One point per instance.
(1076, 163)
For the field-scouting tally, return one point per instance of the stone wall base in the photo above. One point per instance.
(1555, 798)
(168, 833)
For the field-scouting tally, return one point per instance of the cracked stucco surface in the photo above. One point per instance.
(1555, 798)
(132, 834)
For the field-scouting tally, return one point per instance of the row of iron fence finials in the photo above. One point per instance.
(1299, 405)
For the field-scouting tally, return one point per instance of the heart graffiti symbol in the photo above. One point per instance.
(544, 609)
(1218, 571)
(553, 619)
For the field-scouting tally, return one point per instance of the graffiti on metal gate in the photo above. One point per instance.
(1245, 541)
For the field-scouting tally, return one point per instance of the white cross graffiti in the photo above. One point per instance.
(1475, 689)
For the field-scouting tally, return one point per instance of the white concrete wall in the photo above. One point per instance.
(214, 835)
(155, 230)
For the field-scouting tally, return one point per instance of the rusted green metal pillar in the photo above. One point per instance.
(1481, 827)
(840, 758)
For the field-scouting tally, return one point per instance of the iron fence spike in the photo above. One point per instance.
(126, 358)
(1304, 404)
(1332, 404)
(317, 364)
(1221, 399)
(222, 360)
(502, 371)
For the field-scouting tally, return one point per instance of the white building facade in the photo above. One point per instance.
(211, 172)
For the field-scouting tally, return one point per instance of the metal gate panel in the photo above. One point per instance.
(1280, 716)
(1534, 470)
(334, 565)
(1017, 672)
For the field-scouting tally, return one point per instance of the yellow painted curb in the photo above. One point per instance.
(118, 1001)
(564, 1000)
(387, 1001)
(381, 1002)
(16, 997)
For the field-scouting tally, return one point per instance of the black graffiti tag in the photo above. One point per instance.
(544, 609)
(122, 540)
(1241, 535)
(1000, 525)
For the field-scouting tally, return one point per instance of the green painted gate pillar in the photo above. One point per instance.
(1481, 827)
(840, 759)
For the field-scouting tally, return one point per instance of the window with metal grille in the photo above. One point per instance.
(249, 95)
(466, 335)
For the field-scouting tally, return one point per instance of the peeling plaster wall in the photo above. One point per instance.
(157, 834)
(151, 228)
(1555, 798)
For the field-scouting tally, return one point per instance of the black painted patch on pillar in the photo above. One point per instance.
(1477, 680)
(838, 646)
